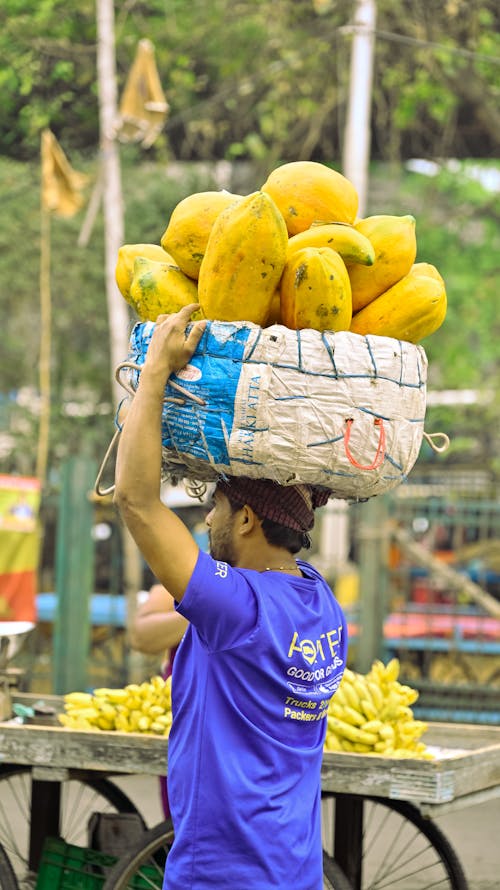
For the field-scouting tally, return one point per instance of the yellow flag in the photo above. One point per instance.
(143, 107)
(61, 185)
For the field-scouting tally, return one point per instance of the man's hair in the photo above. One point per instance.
(279, 535)
(291, 506)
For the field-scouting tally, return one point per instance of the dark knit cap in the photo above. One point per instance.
(292, 506)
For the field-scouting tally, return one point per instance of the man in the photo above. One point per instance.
(264, 651)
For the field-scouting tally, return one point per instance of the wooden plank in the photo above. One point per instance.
(109, 752)
(469, 761)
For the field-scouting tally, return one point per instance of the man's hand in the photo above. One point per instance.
(171, 346)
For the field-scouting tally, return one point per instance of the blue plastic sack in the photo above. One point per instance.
(338, 410)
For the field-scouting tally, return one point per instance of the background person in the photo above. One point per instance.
(157, 629)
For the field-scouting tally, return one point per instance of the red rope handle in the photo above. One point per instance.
(380, 453)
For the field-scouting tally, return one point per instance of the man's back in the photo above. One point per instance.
(252, 682)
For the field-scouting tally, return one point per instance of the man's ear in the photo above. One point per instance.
(248, 520)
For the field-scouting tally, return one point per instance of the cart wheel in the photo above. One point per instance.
(333, 876)
(145, 864)
(146, 860)
(81, 795)
(8, 879)
(400, 848)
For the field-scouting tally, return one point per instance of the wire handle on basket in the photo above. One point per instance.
(380, 452)
(102, 492)
(429, 437)
(131, 391)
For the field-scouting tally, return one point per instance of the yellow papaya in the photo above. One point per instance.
(411, 309)
(427, 269)
(316, 291)
(345, 239)
(274, 315)
(243, 261)
(160, 288)
(394, 241)
(189, 226)
(124, 271)
(307, 192)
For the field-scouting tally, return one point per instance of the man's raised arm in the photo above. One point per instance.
(163, 539)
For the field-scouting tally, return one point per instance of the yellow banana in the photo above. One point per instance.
(115, 696)
(350, 693)
(361, 686)
(352, 716)
(339, 697)
(369, 709)
(332, 742)
(77, 698)
(376, 694)
(386, 732)
(408, 695)
(391, 672)
(352, 733)
(373, 726)
(341, 237)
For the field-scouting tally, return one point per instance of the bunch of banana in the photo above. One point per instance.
(144, 707)
(371, 714)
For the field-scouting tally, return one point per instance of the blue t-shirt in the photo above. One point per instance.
(252, 679)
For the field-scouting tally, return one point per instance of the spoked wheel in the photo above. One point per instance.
(333, 876)
(80, 797)
(393, 847)
(144, 866)
(8, 880)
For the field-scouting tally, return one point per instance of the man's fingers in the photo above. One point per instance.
(195, 334)
(186, 312)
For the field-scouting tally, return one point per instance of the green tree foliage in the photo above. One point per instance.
(257, 78)
(250, 80)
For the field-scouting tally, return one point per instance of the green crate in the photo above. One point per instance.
(68, 867)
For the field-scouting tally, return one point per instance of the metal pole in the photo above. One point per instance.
(74, 576)
(373, 556)
(119, 320)
(357, 132)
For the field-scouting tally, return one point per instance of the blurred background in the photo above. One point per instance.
(109, 117)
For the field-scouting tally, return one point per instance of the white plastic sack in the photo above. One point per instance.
(338, 410)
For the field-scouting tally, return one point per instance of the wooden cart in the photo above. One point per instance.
(465, 771)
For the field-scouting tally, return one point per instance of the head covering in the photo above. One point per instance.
(292, 506)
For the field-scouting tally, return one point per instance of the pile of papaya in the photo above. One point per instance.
(292, 253)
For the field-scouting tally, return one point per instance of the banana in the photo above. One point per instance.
(341, 237)
(376, 694)
(351, 733)
(369, 709)
(361, 686)
(339, 697)
(352, 716)
(347, 685)
(391, 672)
(373, 726)
(77, 698)
(144, 707)
(332, 742)
(115, 696)
(371, 714)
